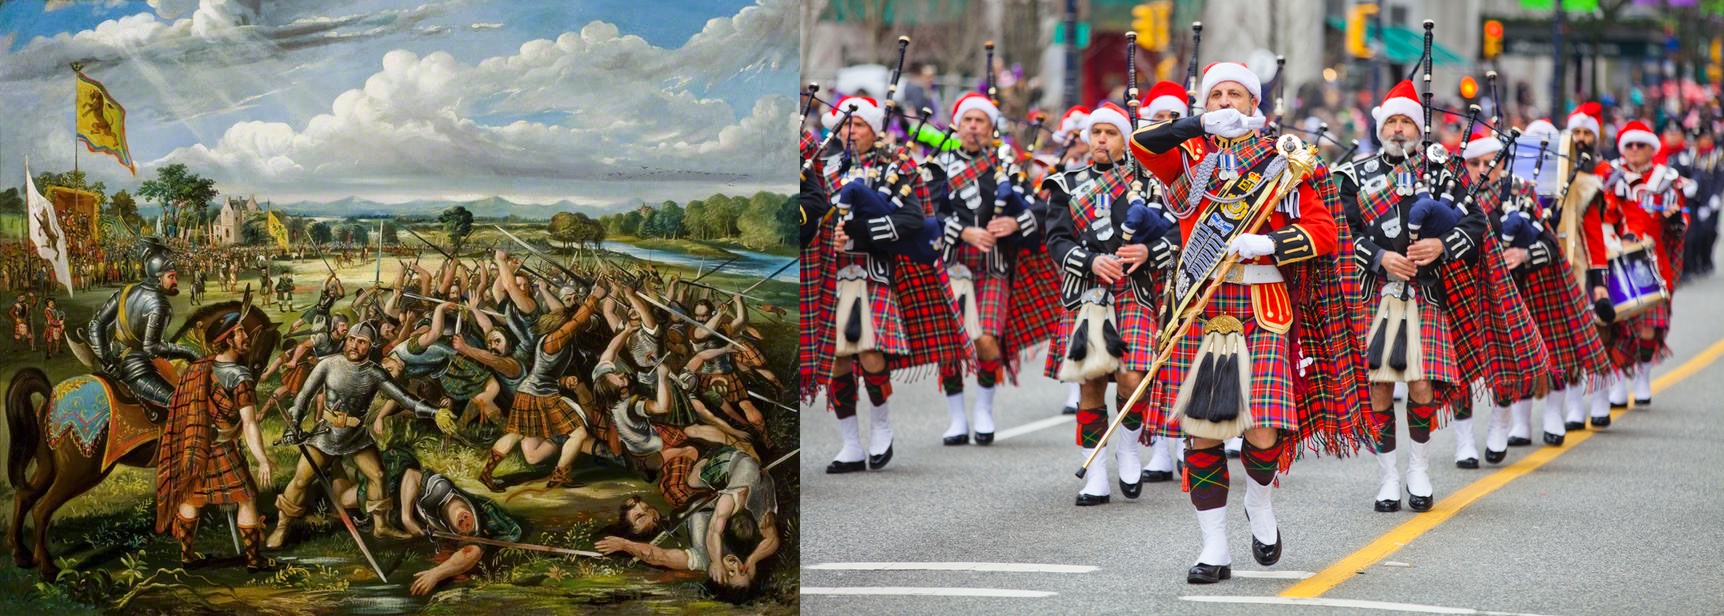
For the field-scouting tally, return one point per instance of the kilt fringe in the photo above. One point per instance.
(1212, 403)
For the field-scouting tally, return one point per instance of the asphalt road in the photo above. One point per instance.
(1625, 522)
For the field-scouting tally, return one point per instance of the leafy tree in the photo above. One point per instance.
(12, 201)
(458, 223)
(631, 223)
(255, 232)
(295, 227)
(320, 233)
(186, 195)
(123, 206)
(390, 232)
(359, 233)
(565, 228)
(343, 233)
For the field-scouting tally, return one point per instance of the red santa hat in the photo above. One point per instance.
(1073, 120)
(1218, 72)
(1481, 145)
(1107, 113)
(1403, 100)
(974, 101)
(1165, 96)
(1636, 132)
(1588, 115)
(1543, 127)
(866, 108)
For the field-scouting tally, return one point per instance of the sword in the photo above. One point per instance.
(721, 290)
(772, 402)
(435, 301)
(689, 319)
(233, 530)
(437, 534)
(536, 252)
(329, 488)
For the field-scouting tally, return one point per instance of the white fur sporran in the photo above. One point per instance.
(852, 296)
(964, 292)
(1224, 341)
(1091, 320)
(1394, 312)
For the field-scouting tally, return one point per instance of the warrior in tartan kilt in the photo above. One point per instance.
(1643, 202)
(198, 462)
(1109, 239)
(986, 223)
(1553, 298)
(1274, 355)
(863, 299)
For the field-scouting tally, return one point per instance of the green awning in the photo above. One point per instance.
(1404, 45)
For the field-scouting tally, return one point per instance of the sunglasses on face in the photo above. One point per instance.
(1635, 146)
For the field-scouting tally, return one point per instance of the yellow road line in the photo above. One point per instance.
(1399, 536)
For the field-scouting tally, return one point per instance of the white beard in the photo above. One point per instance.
(1397, 150)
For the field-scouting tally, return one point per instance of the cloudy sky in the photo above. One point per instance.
(595, 101)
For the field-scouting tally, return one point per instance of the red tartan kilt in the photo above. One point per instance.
(993, 292)
(889, 336)
(1625, 336)
(540, 416)
(1136, 325)
(225, 480)
(1564, 320)
(1272, 370)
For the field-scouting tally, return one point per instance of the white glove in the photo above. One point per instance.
(1230, 123)
(1251, 246)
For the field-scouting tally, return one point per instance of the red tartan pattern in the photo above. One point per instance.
(1564, 320)
(1437, 344)
(1137, 325)
(1272, 401)
(1625, 337)
(1036, 314)
(992, 291)
(1084, 207)
(888, 323)
(923, 294)
(540, 416)
(1492, 332)
(226, 479)
(973, 169)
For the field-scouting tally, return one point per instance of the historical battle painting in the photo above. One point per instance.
(388, 306)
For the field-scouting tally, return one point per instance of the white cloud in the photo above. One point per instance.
(595, 106)
(485, 26)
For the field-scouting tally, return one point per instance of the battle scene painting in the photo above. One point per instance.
(385, 306)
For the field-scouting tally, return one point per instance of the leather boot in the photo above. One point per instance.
(186, 531)
(559, 479)
(485, 477)
(278, 537)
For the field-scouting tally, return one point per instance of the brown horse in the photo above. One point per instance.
(64, 472)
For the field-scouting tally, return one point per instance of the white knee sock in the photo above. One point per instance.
(1388, 478)
(852, 433)
(1213, 523)
(1496, 437)
(1418, 469)
(1095, 481)
(880, 438)
(1522, 413)
(1643, 381)
(1125, 454)
(985, 410)
(1262, 516)
(1553, 414)
(1619, 389)
(1601, 400)
(1159, 459)
(1576, 404)
(960, 422)
(1072, 397)
(1466, 448)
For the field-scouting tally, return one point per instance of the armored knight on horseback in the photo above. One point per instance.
(125, 336)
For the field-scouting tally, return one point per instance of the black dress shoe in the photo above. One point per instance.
(961, 439)
(1069, 410)
(1090, 500)
(838, 468)
(1619, 407)
(1519, 441)
(1495, 457)
(879, 462)
(1208, 574)
(1157, 476)
(1467, 463)
(1554, 440)
(1640, 402)
(1419, 503)
(984, 438)
(1571, 426)
(1266, 555)
(1130, 490)
(1601, 422)
(1388, 506)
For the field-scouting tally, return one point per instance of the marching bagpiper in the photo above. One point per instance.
(1269, 350)
(985, 223)
(1552, 297)
(1643, 203)
(865, 300)
(1106, 233)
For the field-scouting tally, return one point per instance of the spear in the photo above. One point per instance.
(770, 276)
(433, 533)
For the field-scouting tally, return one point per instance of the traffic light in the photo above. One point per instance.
(1493, 40)
(1358, 19)
(1469, 87)
(1149, 21)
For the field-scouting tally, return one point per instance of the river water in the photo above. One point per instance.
(753, 263)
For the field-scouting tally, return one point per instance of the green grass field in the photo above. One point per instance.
(106, 533)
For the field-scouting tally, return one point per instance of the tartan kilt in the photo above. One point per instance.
(1272, 370)
(1035, 314)
(1137, 325)
(226, 479)
(540, 416)
(1564, 320)
(889, 336)
(993, 291)
(723, 386)
(1436, 343)
(1625, 336)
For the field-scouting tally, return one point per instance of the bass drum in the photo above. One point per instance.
(1633, 281)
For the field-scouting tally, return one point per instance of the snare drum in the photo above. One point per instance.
(1633, 280)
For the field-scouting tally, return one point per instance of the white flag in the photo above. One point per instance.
(45, 230)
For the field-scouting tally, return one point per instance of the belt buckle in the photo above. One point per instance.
(1396, 288)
